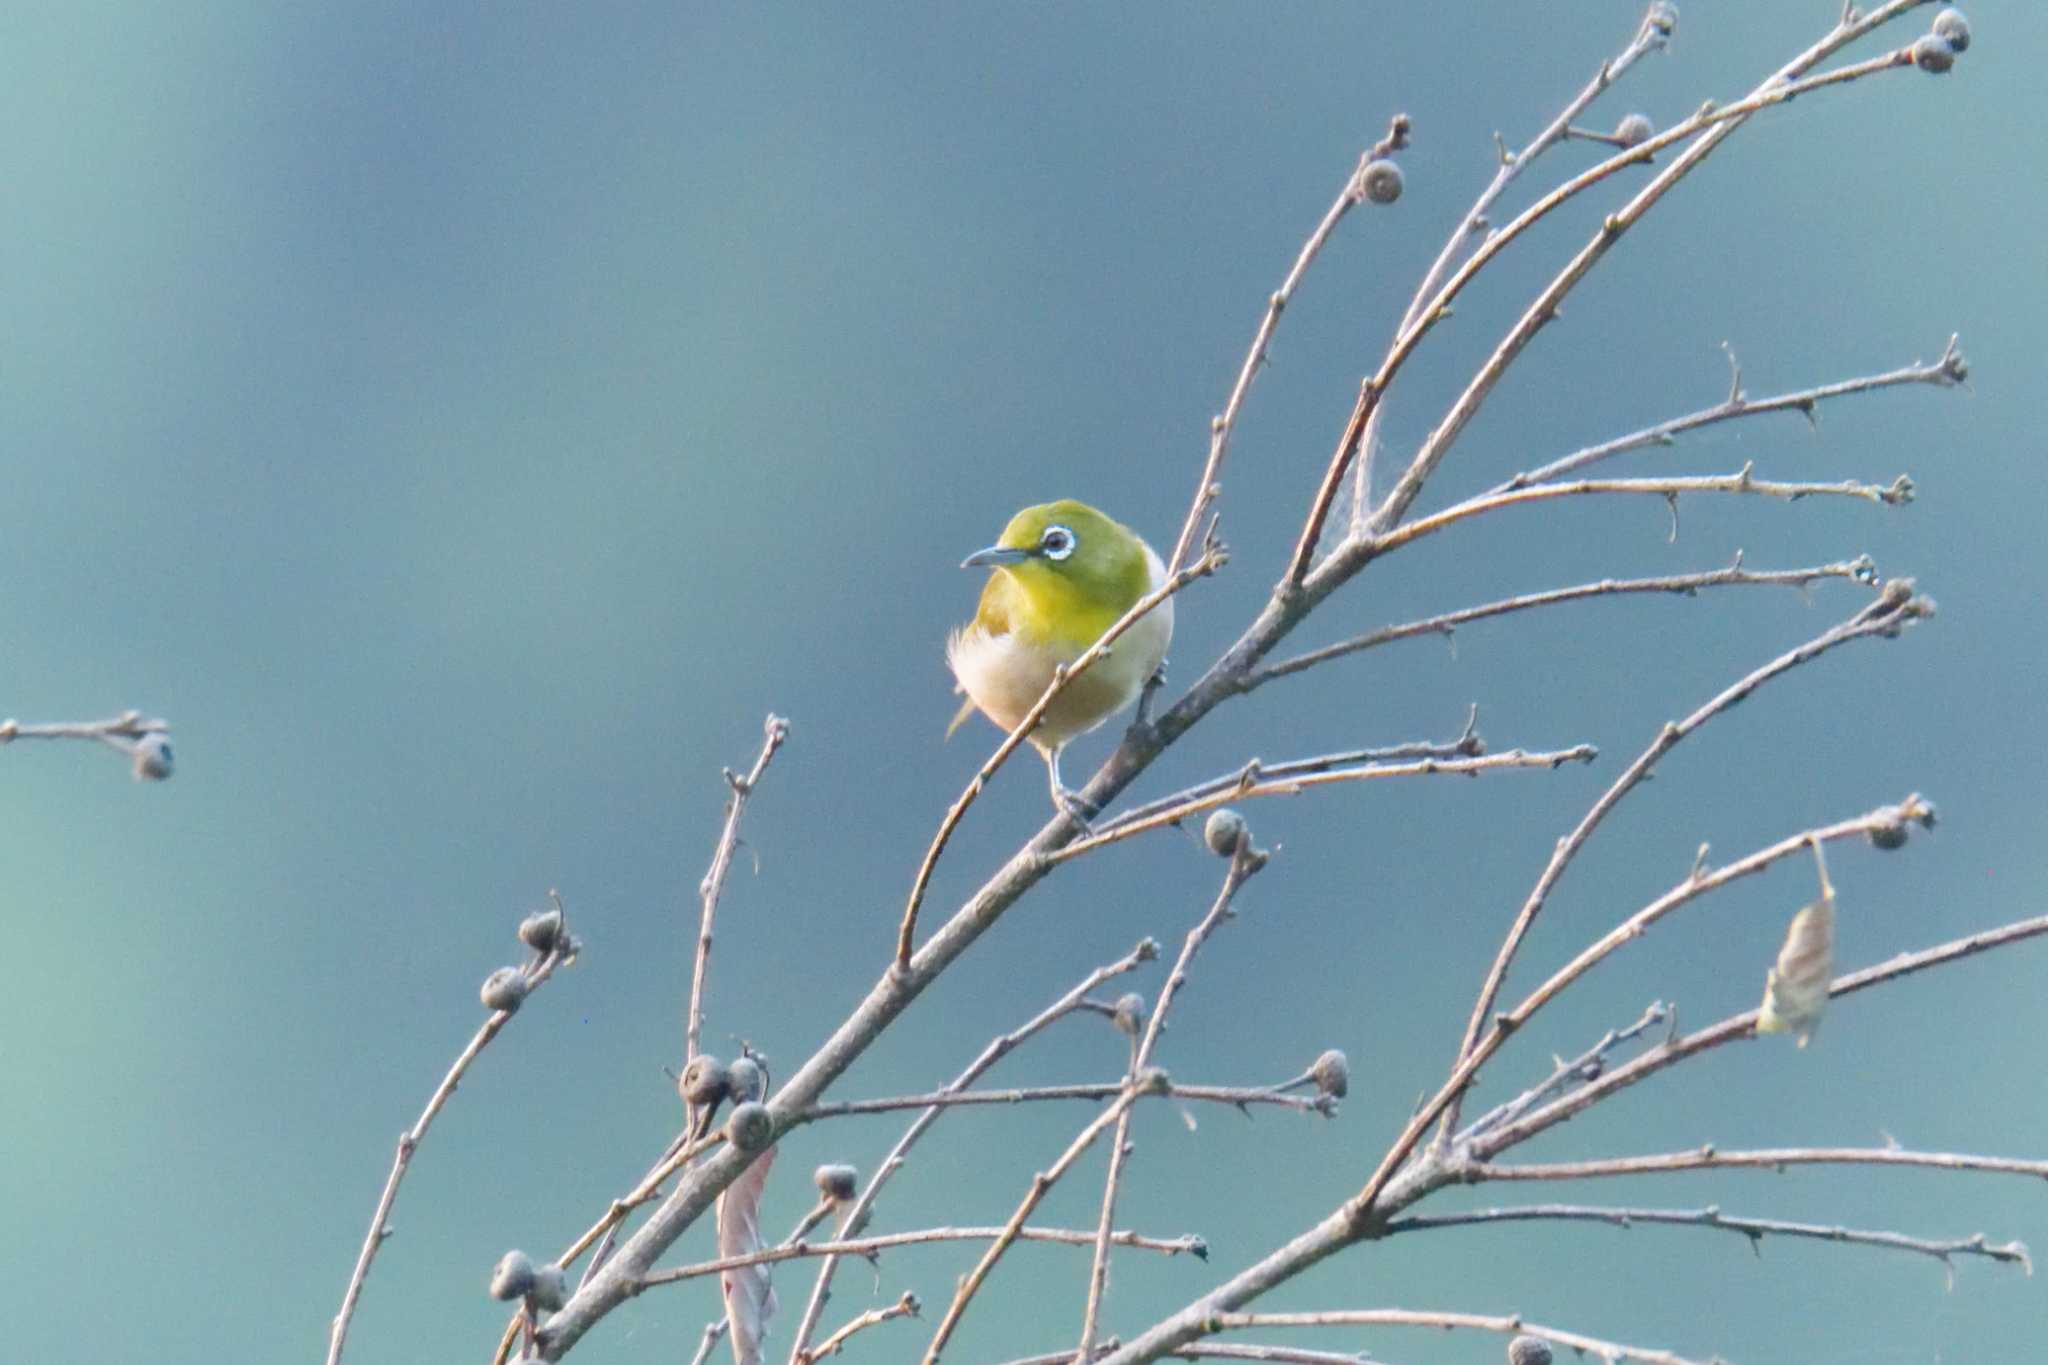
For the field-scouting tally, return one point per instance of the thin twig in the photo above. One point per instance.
(1710, 1158)
(1586, 1066)
(1225, 422)
(1280, 1355)
(536, 973)
(1245, 862)
(1466, 745)
(713, 1332)
(1744, 481)
(1040, 1183)
(1895, 606)
(905, 1307)
(1755, 1229)
(773, 732)
(1650, 35)
(857, 1215)
(1510, 1324)
(1292, 785)
(1212, 558)
(1947, 372)
(1032, 1094)
(869, 1246)
(1859, 570)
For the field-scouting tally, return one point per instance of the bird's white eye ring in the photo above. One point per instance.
(1056, 543)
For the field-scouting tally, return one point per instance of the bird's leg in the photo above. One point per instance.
(1143, 717)
(1066, 802)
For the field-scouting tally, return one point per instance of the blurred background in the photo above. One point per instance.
(466, 422)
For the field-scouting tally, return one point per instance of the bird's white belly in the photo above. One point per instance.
(1005, 676)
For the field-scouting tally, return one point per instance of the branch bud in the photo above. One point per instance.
(750, 1126)
(1951, 27)
(512, 1277)
(836, 1182)
(1333, 1074)
(504, 989)
(1224, 831)
(1380, 181)
(703, 1084)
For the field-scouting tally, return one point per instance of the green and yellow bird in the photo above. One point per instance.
(1064, 573)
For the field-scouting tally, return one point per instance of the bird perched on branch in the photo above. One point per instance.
(1064, 574)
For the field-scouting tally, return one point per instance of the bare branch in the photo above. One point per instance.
(1225, 422)
(1507, 1325)
(1587, 1066)
(1712, 126)
(1296, 783)
(533, 975)
(1733, 575)
(1466, 745)
(1755, 1229)
(1245, 862)
(1740, 1027)
(1715, 123)
(1744, 481)
(143, 741)
(868, 1246)
(1710, 1158)
(1946, 372)
(1212, 558)
(774, 731)
(1650, 36)
(857, 1216)
(1032, 1094)
(1895, 606)
(905, 1307)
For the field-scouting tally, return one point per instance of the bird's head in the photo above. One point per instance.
(1069, 549)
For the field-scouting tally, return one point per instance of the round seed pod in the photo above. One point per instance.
(512, 1277)
(153, 762)
(504, 989)
(1633, 129)
(1380, 181)
(1130, 1014)
(541, 930)
(1952, 27)
(1224, 831)
(750, 1127)
(703, 1083)
(1529, 1351)
(1333, 1074)
(836, 1182)
(1932, 53)
(550, 1289)
(746, 1079)
(1888, 837)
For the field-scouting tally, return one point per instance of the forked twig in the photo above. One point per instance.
(857, 1215)
(1245, 862)
(774, 731)
(1946, 372)
(535, 974)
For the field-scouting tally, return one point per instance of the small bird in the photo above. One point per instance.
(1064, 573)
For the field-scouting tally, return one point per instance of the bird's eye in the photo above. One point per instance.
(1057, 542)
